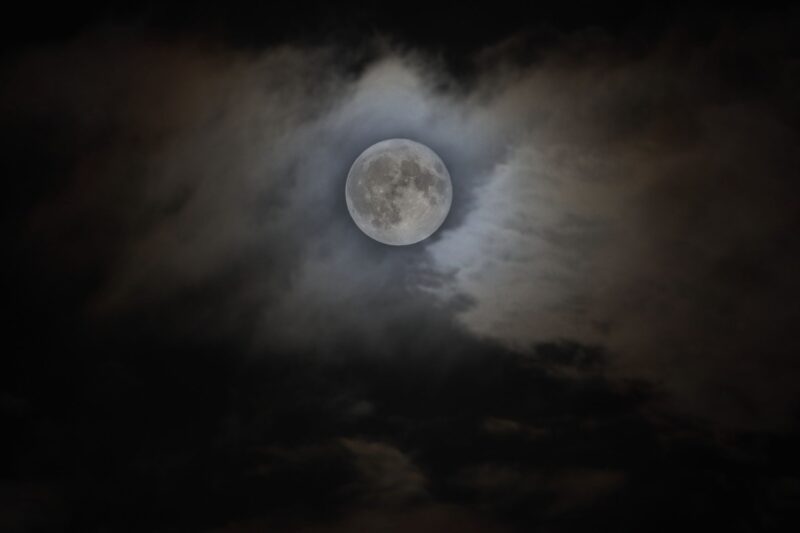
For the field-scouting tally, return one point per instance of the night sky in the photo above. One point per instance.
(602, 336)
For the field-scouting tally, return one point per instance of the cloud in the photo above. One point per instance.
(389, 476)
(640, 208)
(206, 183)
(508, 427)
(196, 311)
(199, 167)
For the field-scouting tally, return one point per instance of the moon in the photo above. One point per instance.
(398, 192)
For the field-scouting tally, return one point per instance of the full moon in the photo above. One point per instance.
(398, 192)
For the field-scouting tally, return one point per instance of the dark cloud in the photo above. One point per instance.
(600, 336)
(640, 210)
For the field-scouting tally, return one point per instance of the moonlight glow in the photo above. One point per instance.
(398, 192)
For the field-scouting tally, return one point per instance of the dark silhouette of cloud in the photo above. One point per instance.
(599, 336)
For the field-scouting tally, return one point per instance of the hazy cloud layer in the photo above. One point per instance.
(640, 208)
(617, 257)
(628, 201)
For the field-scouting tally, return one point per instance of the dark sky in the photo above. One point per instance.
(601, 336)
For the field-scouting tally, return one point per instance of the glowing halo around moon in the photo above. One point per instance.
(398, 192)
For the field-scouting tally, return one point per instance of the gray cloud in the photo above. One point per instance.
(642, 209)
(387, 475)
(630, 202)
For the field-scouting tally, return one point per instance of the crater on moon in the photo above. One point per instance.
(398, 192)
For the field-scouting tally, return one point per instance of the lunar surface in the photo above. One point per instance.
(398, 192)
